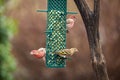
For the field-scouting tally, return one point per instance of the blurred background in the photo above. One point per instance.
(22, 30)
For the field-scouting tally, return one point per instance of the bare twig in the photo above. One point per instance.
(91, 21)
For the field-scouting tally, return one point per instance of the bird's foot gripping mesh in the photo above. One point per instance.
(56, 38)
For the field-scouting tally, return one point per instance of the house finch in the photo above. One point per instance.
(40, 53)
(70, 22)
(66, 52)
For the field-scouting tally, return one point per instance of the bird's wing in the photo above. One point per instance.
(63, 52)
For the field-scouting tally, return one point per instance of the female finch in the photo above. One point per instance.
(66, 52)
(70, 22)
(40, 53)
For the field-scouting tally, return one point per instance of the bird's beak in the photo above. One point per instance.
(31, 53)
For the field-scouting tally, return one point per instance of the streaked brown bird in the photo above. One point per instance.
(66, 52)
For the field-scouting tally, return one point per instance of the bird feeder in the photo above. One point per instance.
(55, 32)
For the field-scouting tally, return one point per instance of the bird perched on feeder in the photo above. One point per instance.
(70, 22)
(40, 53)
(66, 52)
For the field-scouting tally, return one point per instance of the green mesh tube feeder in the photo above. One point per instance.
(56, 32)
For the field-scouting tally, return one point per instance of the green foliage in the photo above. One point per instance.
(2, 2)
(7, 62)
(7, 30)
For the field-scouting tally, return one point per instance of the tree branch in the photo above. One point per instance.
(84, 9)
(96, 16)
(91, 21)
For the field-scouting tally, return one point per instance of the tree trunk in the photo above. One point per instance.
(91, 21)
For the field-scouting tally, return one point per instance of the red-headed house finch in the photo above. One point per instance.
(70, 22)
(40, 53)
(66, 52)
